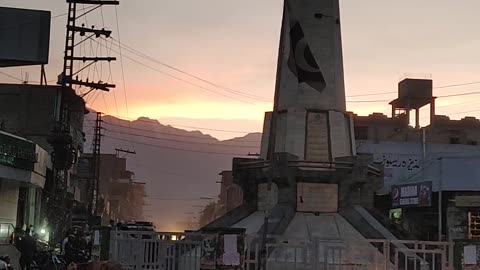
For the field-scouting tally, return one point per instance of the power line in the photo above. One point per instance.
(437, 87)
(178, 149)
(134, 51)
(181, 141)
(460, 94)
(443, 96)
(121, 61)
(369, 101)
(459, 103)
(186, 81)
(182, 126)
(104, 101)
(455, 113)
(372, 94)
(111, 77)
(59, 15)
(172, 134)
(121, 65)
(455, 85)
(10, 76)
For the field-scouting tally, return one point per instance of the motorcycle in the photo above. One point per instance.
(49, 260)
(82, 257)
(78, 257)
(5, 263)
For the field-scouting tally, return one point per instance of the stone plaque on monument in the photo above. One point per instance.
(313, 197)
(317, 137)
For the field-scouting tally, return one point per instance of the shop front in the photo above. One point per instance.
(23, 171)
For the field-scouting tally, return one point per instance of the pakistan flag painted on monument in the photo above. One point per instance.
(311, 121)
(301, 61)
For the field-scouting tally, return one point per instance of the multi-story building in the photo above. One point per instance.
(438, 162)
(231, 195)
(29, 111)
(121, 198)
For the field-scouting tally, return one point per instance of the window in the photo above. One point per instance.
(454, 140)
(361, 133)
(474, 225)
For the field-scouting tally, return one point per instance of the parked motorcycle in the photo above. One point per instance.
(78, 257)
(82, 257)
(49, 260)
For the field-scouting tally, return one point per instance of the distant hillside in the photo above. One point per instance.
(175, 163)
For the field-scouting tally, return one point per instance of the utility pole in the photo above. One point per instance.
(64, 152)
(440, 201)
(95, 184)
(66, 78)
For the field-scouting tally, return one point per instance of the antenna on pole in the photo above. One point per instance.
(43, 76)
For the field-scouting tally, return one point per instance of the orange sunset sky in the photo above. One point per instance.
(234, 44)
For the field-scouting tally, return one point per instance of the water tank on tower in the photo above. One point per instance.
(413, 94)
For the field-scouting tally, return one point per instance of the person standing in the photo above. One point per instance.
(28, 248)
(64, 243)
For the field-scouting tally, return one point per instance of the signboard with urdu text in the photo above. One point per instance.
(16, 152)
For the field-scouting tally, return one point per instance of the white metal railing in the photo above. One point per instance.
(180, 251)
(150, 250)
(318, 253)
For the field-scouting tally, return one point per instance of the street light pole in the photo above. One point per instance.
(440, 216)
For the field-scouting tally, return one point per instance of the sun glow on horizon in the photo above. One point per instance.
(202, 110)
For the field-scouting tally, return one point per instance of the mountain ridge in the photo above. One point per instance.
(178, 166)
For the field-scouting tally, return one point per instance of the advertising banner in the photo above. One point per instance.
(412, 195)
